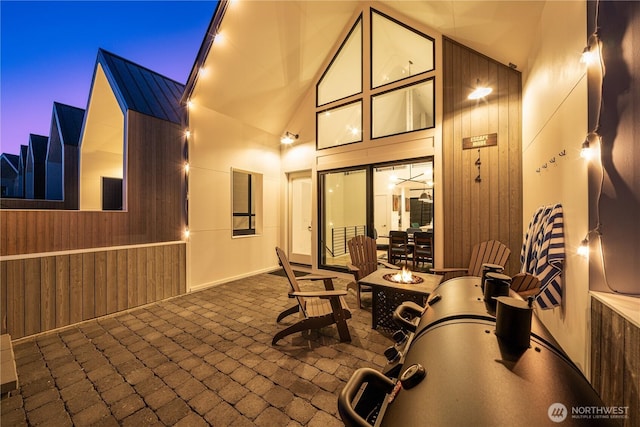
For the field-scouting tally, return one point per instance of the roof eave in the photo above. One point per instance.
(205, 47)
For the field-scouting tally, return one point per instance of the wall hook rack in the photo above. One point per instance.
(478, 163)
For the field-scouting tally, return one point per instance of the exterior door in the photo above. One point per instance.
(300, 230)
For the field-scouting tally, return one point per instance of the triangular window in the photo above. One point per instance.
(343, 77)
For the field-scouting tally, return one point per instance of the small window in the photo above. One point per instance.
(111, 194)
(244, 202)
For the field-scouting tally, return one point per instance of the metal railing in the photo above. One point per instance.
(340, 236)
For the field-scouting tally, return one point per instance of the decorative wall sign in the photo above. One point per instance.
(480, 141)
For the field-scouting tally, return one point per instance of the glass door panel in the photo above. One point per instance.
(403, 199)
(300, 218)
(343, 214)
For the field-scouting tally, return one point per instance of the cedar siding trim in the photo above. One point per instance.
(492, 208)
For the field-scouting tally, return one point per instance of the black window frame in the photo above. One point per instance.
(250, 213)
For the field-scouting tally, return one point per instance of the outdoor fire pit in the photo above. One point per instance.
(404, 277)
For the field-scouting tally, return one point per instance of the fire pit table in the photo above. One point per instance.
(388, 294)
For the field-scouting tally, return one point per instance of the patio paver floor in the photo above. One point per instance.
(203, 358)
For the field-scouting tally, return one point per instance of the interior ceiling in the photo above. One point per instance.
(272, 52)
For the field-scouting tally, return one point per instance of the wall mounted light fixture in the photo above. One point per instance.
(480, 91)
(288, 138)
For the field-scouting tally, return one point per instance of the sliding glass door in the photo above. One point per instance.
(343, 213)
(372, 200)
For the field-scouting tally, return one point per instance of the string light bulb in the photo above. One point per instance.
(589, 145)
(583, 249)
(590, 53)
(586, 152)
(186, 167)
(186, 233)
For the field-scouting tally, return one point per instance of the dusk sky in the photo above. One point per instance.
(48, 52)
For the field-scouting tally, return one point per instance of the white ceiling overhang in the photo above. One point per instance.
(270, 53)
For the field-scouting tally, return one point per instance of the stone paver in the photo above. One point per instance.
(200, 359)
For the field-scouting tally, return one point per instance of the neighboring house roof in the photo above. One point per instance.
(140, 89)
(69, 121)
(38, 145)
(11, 169)
(22, 163)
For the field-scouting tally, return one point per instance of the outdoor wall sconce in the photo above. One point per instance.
(480, 91)
(288, 138)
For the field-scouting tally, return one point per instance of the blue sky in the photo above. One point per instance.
(48, 51)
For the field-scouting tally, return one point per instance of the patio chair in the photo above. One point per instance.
(399, 247)
(422, 247)
(488, 252)
(525, 284)
(317, 309)
(364, 261)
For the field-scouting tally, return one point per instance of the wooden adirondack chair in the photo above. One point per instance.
(317, 309)
(364, 261)
(489, 252)
(525, 284)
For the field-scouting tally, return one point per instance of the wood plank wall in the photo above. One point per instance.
(43, 293)
(57, 269)
(615, 360)
(491, 208)
(155, 201)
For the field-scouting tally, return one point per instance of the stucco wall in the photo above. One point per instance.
(555, 121)
(217, 144)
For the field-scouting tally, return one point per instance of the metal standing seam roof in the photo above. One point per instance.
(12, 160)
(141, 89)
(69, 121)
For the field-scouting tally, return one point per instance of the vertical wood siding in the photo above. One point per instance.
(492, 208)
(615, 360)
(155, 200)
(40, 294)
(52, 289)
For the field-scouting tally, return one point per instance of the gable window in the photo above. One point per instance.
(398, 52)
(389, 91)
(343, 77)
(339, 126)
(245, 198)
(403, 110)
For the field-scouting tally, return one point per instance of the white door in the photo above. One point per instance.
(300, 230)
